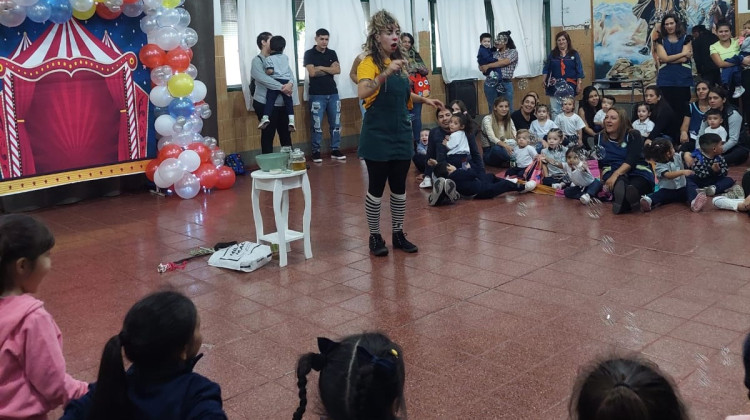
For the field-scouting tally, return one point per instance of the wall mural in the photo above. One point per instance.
(623, 30)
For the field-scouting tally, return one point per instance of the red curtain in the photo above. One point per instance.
(72, 123)
(24, 96)
(116, 86)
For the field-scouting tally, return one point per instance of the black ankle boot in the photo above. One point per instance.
(377, 245)
(400, 242)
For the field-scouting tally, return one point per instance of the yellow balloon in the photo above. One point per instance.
(180, 85)
(99, 1)
(170, 4)
(84, 15)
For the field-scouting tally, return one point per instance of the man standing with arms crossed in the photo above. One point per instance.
(322, 64)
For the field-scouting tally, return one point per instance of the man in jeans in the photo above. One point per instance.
(321, 64)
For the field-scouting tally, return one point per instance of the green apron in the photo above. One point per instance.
(386, 130)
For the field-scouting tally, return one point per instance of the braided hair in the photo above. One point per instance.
(360, 378)
(658, 150)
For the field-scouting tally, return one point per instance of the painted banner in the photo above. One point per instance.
(73, 100)
(623, 30)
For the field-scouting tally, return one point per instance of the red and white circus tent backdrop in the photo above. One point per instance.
(69, 102)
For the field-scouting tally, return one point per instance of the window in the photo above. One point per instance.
(231, 45)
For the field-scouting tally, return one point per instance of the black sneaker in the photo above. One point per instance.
(400, 242)
(336, 154)
(618, 196)
(377, 245)
(437, 191)
(316, 157)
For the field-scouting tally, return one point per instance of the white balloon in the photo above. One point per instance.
(13, 16)
(167, 38)
(170, 170)
(160, 96)
(183, 139)
(189, 38)
(164, 125)
(152, 4)
(199, 91)
(184, 18)
(190, 160)
(26, 3)
(132, 10)
(188, 186)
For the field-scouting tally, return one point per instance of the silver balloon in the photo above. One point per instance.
(152, 4)
(192, 71)
(82, 5)
(210, 141)
(189, 38)
(188, 186)
(194, 125)
(149, 24)
(167, 38)
(169, 18)
(132, 10)
(184, 18)
(13, 15)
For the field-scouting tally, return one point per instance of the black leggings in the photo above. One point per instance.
(279, 124)
(640, 183)
(393, 171)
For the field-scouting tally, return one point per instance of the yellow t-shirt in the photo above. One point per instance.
(367, 69)
(724, 53)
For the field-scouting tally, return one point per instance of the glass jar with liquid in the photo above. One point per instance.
(297, 161)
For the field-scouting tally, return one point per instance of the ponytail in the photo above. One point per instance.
(305, 364)
(110, 398)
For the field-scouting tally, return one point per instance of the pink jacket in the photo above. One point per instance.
(33, 380)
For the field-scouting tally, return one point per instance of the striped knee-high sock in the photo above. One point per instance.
(372, 211)
(398, 209)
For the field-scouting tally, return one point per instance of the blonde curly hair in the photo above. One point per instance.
(380, 22)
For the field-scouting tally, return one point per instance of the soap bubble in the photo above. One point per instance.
(608, 244)
(702, 371)
(594, 208)
(492, 80)
(563, 90)
(521, 209)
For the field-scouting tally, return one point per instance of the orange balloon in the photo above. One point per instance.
(170, 151)
(151, 168)
(152, 56)
(130, 1)
(179, 59)
(203, 151)
(208, 175)
(226, 178)
(103, 11)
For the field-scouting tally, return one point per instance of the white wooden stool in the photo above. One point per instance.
(279, 185)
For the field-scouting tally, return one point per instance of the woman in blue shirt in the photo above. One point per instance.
(563, 63)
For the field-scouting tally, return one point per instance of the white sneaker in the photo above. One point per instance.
(264, 122)
(426, 182)
(292, 126)
(738, 91)
(726, 203)
(646, 204)
(530, 185)
(558, 185)
(710, 190)
(585, 199)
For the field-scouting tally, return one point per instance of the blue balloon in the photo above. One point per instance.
(181, 107)
(61, 11)
(40, 12)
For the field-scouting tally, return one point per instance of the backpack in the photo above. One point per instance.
(235, 162)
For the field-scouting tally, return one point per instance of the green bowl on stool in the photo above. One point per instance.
(271, 161)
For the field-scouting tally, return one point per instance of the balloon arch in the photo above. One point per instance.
(187, 161)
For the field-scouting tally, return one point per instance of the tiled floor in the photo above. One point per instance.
(504, 301)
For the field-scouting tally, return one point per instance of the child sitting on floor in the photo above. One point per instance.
(361, 377)
(161, 337)
(670, 173)
(625, 388)
(709, 171)
(552, 160)
(420, 155)
(583, 184)
(524, 155)
(472, 182)
(608, 101)
(33, 380)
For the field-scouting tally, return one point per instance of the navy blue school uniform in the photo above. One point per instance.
(172, 393)
(475, 182)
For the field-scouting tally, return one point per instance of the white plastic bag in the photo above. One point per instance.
(245, 256)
